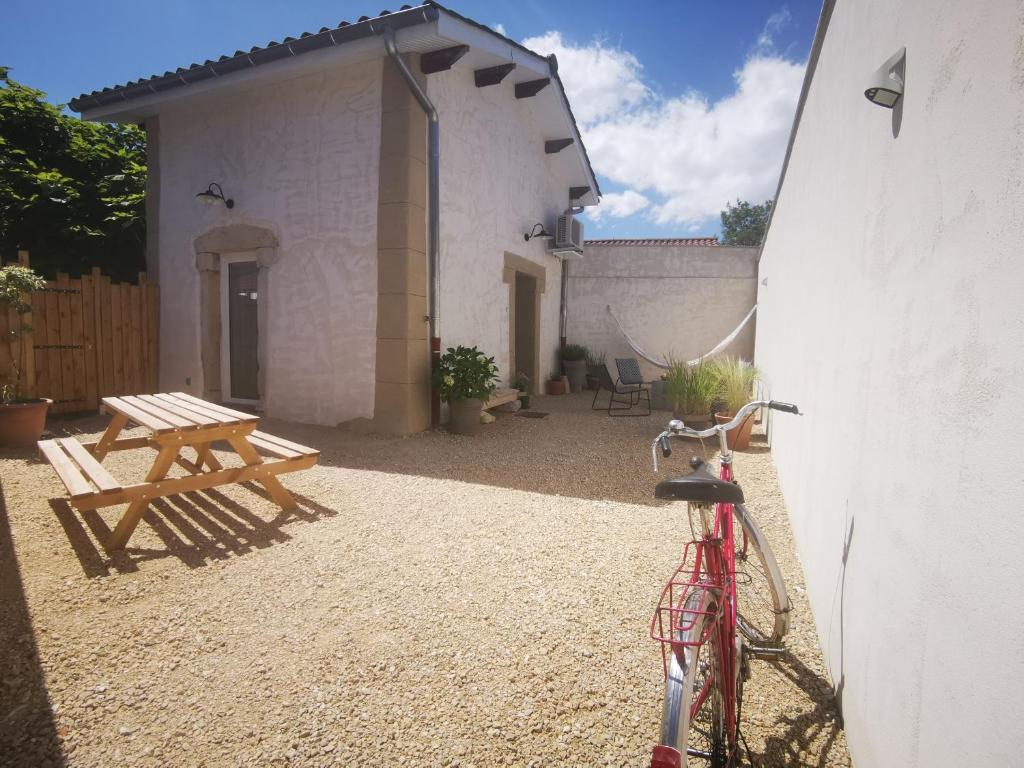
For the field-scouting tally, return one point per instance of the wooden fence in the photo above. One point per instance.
(91, 338)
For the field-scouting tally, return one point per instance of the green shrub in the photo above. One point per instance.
(465, 372)
(15, 283)
(735, 382)
(691, 388)
(573, 352)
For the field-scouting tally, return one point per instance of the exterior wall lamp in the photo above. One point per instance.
(543, 234)
(886, 86)
(211, 197)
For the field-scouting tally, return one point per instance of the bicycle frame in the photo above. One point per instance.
(713, 570)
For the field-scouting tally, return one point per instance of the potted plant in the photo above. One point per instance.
(574, 363)
(735, 389)
(595, 362)
(22, 419)
(521, 382)
(465, 378)
(558, 385)
(691, 391)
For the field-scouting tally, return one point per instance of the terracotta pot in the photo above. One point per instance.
(576, 370)
(22, 423)
(737, 438)
(465, 416)
(558, 386)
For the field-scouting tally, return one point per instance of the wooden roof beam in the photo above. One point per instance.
(442, 60)
(531, 87)
(492, 75)
(554, 146)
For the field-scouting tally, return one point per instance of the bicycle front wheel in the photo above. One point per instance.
(693, 713)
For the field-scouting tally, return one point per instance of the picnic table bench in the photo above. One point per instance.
(175, 421)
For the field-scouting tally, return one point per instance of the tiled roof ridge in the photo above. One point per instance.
(690, 241)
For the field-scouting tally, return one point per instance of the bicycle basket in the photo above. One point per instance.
(675, 616)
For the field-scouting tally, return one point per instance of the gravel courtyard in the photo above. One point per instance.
(436, 601)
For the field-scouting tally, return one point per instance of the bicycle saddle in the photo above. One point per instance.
(700, 486)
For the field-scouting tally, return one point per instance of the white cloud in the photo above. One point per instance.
(619, 205)
(500, 29)
(599, 79)
(683, 156)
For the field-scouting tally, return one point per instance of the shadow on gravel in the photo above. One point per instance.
(574, 452)
(812, 732)
(197, 528)
(28, 733)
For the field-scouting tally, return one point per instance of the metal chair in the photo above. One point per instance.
(629, 384)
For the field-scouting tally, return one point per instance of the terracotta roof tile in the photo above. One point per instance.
(670, 241)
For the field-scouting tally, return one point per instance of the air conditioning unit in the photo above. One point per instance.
(568, 242)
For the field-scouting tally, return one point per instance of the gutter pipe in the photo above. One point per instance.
(433, 212)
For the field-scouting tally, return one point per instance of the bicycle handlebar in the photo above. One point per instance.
(676, 428)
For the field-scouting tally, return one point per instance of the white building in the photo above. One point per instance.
(311, 294)
(890, 310)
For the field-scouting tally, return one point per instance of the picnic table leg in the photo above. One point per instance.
(277, 492)
(126, 525)
(117, 423)
(203, 456)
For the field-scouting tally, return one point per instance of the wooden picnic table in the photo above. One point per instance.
(175, 421)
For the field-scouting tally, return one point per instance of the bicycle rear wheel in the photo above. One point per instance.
(762, 603)
(693, 714)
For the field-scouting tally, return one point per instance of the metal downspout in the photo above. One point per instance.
(433, 212)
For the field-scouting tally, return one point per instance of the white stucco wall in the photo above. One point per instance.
(496, 182)
(299, 157)
(672, 300)
(892, 316)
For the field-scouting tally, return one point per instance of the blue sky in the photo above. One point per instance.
(683, 105)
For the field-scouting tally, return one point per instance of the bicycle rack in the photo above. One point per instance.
(672, 620)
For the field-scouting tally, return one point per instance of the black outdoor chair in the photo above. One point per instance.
(629, 385)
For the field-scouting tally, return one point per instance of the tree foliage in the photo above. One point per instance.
(72, 192)
(745, 224)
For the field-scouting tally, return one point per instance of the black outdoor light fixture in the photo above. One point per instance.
(886, 85)
(542, 235)
(211, 196)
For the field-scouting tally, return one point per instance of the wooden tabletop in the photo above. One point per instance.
(176, 412)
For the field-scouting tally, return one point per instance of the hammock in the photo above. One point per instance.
(663, 363)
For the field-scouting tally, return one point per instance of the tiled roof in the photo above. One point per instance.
(289, 46)
(672, 241)
(346, 31)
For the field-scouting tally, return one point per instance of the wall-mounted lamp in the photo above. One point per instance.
(543, 234)
(211, 197)
(886, 86)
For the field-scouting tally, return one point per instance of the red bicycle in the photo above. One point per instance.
(725, 604)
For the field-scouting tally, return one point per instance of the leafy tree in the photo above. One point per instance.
(72, 192)
(745, 224)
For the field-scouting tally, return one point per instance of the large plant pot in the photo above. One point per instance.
(737, 438)
(576, 370)
(22, 423)
(594, 376)
(559, 386)
(465, 416)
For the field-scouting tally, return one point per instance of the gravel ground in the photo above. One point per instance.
(436, 601)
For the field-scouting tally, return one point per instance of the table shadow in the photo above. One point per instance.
(197, 528)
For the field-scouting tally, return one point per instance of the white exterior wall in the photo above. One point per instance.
(672, 300)
(496, 183)
(892, 316)
(300, 158)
